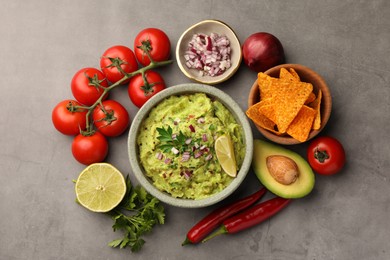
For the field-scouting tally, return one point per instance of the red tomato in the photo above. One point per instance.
(139, 93)
(90, 149)
(68, 119)
(326, 155)
(85, 85)
(118, 56)
(112, 119)
(156, 42)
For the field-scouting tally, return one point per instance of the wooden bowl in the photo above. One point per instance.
(306, 75)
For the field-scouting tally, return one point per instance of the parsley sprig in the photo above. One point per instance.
(168, 142)
(136, 215)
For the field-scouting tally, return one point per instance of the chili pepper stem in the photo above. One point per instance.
(186, 242)
(220, 231)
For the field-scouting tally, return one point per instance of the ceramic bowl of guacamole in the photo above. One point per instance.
(190, 145)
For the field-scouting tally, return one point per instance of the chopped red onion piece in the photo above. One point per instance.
(187, 174)
(198, 154)
(204, 138)
(174, 150)
(186, 156)
(210, 54)
(159, 156)
(201, 120)
(167, 161)
(203, 147)
(188, 141)
(192, 128)
(208, 157)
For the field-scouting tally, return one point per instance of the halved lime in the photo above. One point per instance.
(100, 187)
(225, 155)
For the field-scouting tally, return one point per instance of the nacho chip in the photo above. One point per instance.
(286, 75)
(300, 128)
(266, 108)
(265, 84)
(316, 104)
(288, 100)
(310, 99)
(284, 106)
(259, 119)
(295, 74)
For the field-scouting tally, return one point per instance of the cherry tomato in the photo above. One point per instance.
(118, 57)
(156, 42)
(326, 155)
(90, 149)
(111, 119)
(85, 85)
(139, 93)
(67, 118)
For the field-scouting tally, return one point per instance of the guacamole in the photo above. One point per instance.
(176, 145)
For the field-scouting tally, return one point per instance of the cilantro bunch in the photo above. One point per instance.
(136, 215)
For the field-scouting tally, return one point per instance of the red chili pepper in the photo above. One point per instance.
(215, 218)
(250, 217)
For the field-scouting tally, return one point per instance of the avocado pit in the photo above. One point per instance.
(283, 169)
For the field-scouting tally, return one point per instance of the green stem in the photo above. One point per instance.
(142, 70)
(219, 231)
(186, 242)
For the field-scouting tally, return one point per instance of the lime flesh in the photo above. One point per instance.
(100, 187)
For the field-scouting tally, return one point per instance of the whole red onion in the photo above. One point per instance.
(262, 51)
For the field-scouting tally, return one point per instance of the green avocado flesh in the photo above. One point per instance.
(303, 185)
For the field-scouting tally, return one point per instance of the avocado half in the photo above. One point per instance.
(302, 186)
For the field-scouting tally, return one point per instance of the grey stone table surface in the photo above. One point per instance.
(43, 43)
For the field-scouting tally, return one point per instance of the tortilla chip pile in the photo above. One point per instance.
(287, 106)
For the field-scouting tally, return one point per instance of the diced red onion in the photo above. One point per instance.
(186, 156)
(167, 161)
(188, 141)
(204, 138)
(210, 54)
(187, 174)
(201, 120)
(174, 150)
(198, 154)
(192, 128)
(203, 147)
(159, 156)
(208, 157)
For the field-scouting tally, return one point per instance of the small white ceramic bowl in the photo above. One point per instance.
(208, 27)
(191, 88)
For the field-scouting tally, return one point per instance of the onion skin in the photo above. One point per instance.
(262, 51)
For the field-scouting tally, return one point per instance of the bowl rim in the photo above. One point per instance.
(197, 79)
(327, 101)
(180, 89)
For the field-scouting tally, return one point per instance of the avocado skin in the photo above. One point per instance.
(300, 188)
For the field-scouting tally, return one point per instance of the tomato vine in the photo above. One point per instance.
(118, 62)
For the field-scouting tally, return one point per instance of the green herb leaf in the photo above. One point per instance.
(135, 216)
(168, 142)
